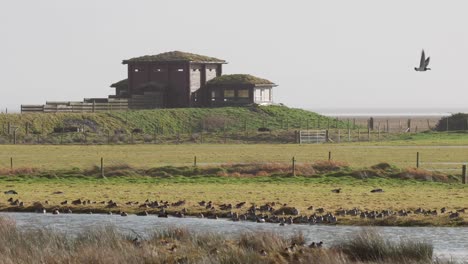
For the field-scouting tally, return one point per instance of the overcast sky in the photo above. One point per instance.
(322, 54)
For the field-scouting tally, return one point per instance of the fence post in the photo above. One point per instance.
(417, 159)
(349, 135)
(464, 178)
(378, 131)
(339, 135)
(294, 166)
(102, 167)
(329, 156)
(388, 127)
(327, 136)
(195, 161)
(11, 163)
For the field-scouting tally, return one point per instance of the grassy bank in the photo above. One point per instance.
(106, 245)
(252, 184)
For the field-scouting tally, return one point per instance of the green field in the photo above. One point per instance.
(357, 155)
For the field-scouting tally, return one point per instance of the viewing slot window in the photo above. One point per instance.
(229, 93)
(243, 93)
(215, 95)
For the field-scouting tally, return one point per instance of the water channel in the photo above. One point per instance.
(449, 242)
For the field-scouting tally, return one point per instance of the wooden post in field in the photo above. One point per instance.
(378, 131)
(27, 128)
(428, 125)
(358, 135)
(195, 161)
(294, 166)
(14, 137)
(108, 137)
(329, 156)
(328, 123)
(339, 135)
(336, 122)
(61, 134)
(349, 135)
(464, 176)
(368, 133)
(11, 163)
(102, 167)
(417, 159)
(388, 127)
(354, 123)
(399, 123)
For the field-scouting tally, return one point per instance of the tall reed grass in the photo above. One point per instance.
(178, 245)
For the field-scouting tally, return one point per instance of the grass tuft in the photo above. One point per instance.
(368, 245)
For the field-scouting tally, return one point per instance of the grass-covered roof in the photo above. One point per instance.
(120, 84)
(174, 56)
(239, 79)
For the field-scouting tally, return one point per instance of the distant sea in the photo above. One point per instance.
(356, 112)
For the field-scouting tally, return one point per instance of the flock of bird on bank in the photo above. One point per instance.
(272, 212)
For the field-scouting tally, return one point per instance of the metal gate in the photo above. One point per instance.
(312, 136)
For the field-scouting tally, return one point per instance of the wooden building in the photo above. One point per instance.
(171, 79)
(239, 89)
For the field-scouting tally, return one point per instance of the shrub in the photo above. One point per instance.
(455, 122)
(368, 245)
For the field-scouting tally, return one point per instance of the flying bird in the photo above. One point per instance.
(423, 63)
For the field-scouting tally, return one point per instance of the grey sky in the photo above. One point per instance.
(322, 54)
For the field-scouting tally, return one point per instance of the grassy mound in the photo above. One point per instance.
(170, 121)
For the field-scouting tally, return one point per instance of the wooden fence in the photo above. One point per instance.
(77, 107)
